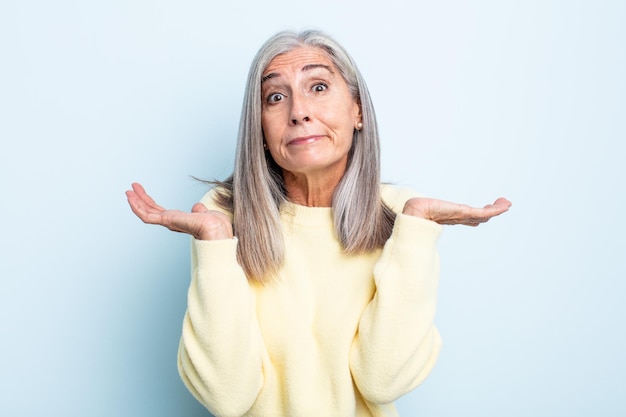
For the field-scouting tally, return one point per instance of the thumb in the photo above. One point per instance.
(199, 208)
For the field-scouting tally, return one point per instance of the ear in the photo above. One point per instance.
(359, 117)
(358, 125)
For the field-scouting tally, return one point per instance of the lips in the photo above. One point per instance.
(304, 140)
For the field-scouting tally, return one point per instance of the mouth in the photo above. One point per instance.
(304, 140)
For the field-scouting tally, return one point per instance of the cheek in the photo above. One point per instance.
(346, 122)
(269, 128)
(349, 114)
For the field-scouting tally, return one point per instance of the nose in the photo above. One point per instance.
(300, 111)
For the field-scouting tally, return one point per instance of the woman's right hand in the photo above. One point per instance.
(201, 223)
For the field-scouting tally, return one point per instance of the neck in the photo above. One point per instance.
(311, 191)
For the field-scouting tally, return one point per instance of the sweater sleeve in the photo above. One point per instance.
(220, 352)
(397, 343)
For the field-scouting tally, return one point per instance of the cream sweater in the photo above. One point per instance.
(335, 335)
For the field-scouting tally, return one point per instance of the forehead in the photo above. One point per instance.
(298, 59)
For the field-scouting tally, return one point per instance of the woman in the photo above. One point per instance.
(313, 287)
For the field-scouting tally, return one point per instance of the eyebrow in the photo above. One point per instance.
(307, 67)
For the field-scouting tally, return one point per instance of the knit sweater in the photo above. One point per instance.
(334, 335)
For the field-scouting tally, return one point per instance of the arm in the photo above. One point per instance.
(220, 352)
(397, 343)
(221, 347)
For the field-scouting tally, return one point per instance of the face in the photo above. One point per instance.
(308, 113)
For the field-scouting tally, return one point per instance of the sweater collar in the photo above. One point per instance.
(306, 216)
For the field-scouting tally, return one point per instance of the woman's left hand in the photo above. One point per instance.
(445, 212)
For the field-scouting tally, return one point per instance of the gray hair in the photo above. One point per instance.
(256, 189)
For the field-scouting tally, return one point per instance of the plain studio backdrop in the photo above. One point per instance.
(475, 100)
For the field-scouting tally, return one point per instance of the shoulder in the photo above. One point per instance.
(395, 197)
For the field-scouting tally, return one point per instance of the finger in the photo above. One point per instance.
(138, 188)
(141, 194)
(134, 201)
(145, 209)
(136, 205)
(502, 202)
(139, 207)
(175, 220)
(498, 207)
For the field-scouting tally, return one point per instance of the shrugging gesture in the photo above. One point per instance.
(205, 224)
(324, 302)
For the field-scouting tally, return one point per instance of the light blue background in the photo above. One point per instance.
(476, 100)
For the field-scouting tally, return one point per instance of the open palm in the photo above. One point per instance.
(201, 223)
(445, 212)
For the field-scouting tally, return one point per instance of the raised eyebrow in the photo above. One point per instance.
(314, 66)
(307, 67)
(269, 76)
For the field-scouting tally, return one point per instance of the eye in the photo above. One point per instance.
(318, 88)
(275, 98)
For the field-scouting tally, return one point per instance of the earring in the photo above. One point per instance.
(264, 145)
(359, 126)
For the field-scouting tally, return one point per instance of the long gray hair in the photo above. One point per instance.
(256, 189)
